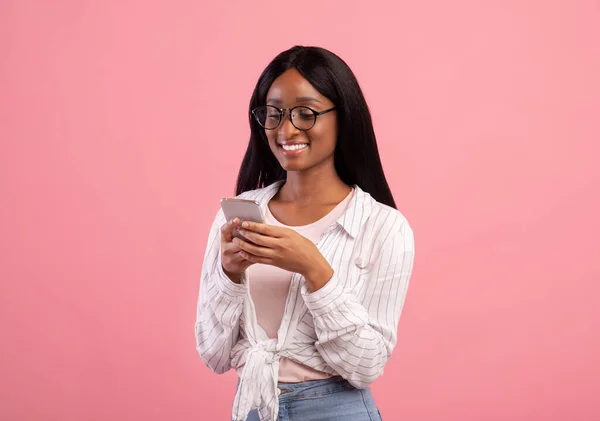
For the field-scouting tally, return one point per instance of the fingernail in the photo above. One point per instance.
(245, 225)
(236, 220)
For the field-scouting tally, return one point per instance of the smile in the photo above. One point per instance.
(293, 150)
(295, 147)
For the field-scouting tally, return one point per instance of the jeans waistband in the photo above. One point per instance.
(312, 388)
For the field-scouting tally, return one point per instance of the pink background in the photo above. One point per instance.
(123, 123)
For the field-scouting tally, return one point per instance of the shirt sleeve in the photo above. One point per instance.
(219, 306)
(357, 338)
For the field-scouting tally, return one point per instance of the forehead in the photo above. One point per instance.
(291, 85)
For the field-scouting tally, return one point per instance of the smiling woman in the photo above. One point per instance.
(306, 310)
(314, 142)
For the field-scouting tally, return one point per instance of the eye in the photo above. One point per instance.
(303, 114)
(306, 116)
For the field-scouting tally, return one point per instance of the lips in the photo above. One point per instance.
(291, 149)
(295, 147)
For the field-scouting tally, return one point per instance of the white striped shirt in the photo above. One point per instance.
(347, 328)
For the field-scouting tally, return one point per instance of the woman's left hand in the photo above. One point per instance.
(286, 249)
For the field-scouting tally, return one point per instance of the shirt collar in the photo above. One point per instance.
(358, 210)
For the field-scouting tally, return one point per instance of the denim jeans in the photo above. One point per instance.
(332, 399)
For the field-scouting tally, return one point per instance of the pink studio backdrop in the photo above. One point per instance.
(123, 123)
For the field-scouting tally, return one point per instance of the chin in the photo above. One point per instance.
(304, 164)
(293, 166)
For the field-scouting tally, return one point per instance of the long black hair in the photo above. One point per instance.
(356, 157)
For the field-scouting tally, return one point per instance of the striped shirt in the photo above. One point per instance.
(346, 328)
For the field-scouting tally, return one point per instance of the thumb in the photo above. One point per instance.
(227, 230)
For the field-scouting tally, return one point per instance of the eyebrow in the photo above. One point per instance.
(298, 99)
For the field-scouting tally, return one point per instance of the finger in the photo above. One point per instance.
(234, 257)
(239, 257)
(231, 248)
(227, 229)
(255, 259)
(264, 229)
(256, 238)
(251, 248)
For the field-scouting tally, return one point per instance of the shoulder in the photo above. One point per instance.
(392, 218)
(389, 225)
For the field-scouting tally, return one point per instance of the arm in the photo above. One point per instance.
(357, 338)
(219, 306)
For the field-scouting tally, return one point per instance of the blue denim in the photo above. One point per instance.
(332, 399)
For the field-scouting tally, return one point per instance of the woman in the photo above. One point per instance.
(306, 310)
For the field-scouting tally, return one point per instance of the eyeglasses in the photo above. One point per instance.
(302, 117)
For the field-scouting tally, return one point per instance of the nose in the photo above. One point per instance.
(286, 129)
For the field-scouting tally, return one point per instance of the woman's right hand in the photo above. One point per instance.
(234, 265)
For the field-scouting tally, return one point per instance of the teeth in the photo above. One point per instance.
(294, 147)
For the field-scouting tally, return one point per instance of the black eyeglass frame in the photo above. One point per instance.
(289, 110)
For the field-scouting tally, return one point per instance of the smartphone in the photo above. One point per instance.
(245, 209)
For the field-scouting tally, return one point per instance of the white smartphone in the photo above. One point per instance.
(245, 209)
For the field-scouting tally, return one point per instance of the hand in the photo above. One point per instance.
(286, 249)
(234, 264)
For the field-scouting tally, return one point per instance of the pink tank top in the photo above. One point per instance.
(269, 286)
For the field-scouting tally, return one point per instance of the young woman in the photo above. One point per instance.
(306, 311)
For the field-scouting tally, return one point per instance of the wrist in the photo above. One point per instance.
(234, 277)
(318, 276)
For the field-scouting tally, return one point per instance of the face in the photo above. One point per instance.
(298, 150)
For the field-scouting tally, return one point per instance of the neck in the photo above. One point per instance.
(317, 185)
